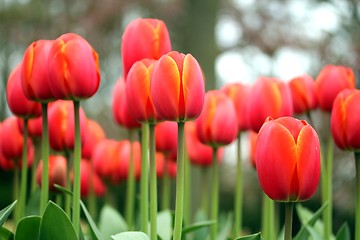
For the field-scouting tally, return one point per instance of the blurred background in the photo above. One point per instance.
(234, 40)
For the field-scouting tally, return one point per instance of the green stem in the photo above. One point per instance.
(238, 191)
(166, 188)
(288, 220)
(205, 190)
(153, 184)
(130, 188)
(68, 183)
(34, 166)
(16, 192)
(144, 180)
(329, 170)
(357, 211)
(23, 186)
(268, 218)
(45, 159)
(179, 201)
(215, 195)
(92, 196)
(187, 190)
(77, 159)
(271, 220)
(58, 199)
(264, 217)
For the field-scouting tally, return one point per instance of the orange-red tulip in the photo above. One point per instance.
(138, 94)
(57, 171)
(252, 142)
(17, 101)
(303, 93)
(288, 159)
(120, 106)
(177, 87)
(269, 97)
(199, 153)
(121, 167)
(165, 164)
(239, 94)
(34, 73)
(143, 38)
(61, 125)
(86, 178)
(74, 71)
(34, 126)
(217, 123)
(345, 120)
(166, 134)
(330, 81)
(94, 134)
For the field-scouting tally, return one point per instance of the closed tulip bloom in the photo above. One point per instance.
(86, 177)
(94, 134)
(165, 164)
(138, 91)
(177, 87)
(288, 159)
(74, 71)
(303, 93)
(345, 120)
(217, 123)
(57, 171)
(18, 103)
(120, 107)
(34, 71)
(166, 134)
(34, 127)
(61, 125)
(252, 142)
(144, 38)
(269, 97)
(330, 81)
(239, 95)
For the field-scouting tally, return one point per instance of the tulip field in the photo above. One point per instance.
(69, 178)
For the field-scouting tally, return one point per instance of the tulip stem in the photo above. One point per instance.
(204, 191)
(179, 201)
(34, 166)
(328, 191)
(288, 220)
(16, 192)
(92, 196)
(268, 218)
(153, 184)
(144, 180)
(238, 191)
(45, 159)
(357, 211)
(68, 183)
(166, 186)
(77, 158)
(23, 185)
(187, 190)
(215, 195)
(130, 188)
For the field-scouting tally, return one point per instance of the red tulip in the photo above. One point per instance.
(138, 91)
(74, 71)
(269, 97)
(57, 171)
(239, 94)
(144, 38)
(34, 72)
(172, 168)
(288, 159)
(345, 120)
(120, 106)
(330, 81)
(34, 126)
(94, 134)
(17, 101)
(252, 141)
(165, 164)
(166, 134)
(303, 93)
(177, 87)
(199, 153)
(217, 123)
(61, 125)
(86, 177)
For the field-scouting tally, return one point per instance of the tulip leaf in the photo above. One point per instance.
(200, 233)
(95, 232)
(55, 224)
(5, 234)
(4, 213)
(28, 226)
(111, 222)
(224, 227)
(63, 189)
(164, 221)
(197, 226)
(33, 206)
(256, 236)
(344, 232)
(130, 236)
(313, 233)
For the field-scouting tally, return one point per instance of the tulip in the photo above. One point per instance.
(269, 97)
(288, 162)
(144, 38)
(86, 175)
(94, 134)
(252, 142)
(57, 171)
(330, 81)
(166, 137)
(303, 93)
(177, 90)
(34, 127)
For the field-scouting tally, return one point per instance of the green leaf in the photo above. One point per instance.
(111, 222)
(63, 189)
(164, 221)
(313, 233)
(344, 232)
(4, 213)
(256, 236)
(131, 236)
(28, 226)
(33, 206)
(5, 234)
(224, 227)
(95, 232)
(197, 226)
(55, 224)
(201, 233)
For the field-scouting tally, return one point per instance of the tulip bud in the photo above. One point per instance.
(303, 93)
(92, 136)
(166, 134)
(88, 176)
(57, 171)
